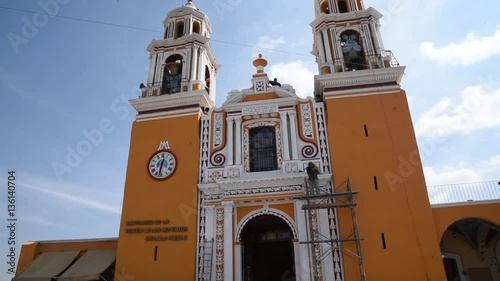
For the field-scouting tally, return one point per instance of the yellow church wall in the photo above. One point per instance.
(285, 208)
(399, 209)
(173, 199)
(257, 97)
(446, 215)
(245, 210)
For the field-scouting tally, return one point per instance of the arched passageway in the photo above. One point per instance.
(267, 250)
(470, 249)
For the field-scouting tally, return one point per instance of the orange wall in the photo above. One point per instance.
(174, 199)
(446, 215)
(399, 208)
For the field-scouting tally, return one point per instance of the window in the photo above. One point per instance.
(324, 7)
(262, 149)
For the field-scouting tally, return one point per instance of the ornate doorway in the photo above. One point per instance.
(267, 250)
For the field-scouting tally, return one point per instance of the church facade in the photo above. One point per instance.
(223, 193)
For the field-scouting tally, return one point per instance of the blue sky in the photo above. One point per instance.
(67, 78)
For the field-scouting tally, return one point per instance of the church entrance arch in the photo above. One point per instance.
(267, 251)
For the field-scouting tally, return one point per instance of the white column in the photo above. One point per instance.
(201, 60)
(321, 49)
(152, 63)
(303, 261)
(209, 222)
(237, 260)
(210, 233)
(237, 144)
(326, 38)
(229, 140)
(228, 240)
(324, 229)
(284, 137)
(293, 134)
(194, 63)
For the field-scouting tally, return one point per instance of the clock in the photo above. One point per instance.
(162, 165)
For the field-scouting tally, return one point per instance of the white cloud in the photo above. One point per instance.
(296, 74)
(439, 179)
(268, 43)
(71, 194)
(476, 109)
(82, 201)
(472, 50)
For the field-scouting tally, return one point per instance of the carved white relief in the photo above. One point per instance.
(307, 124)
(218, 129)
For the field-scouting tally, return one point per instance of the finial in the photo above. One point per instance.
(190, 4)
(260, 63)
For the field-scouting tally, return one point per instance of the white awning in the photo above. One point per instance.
(89, 266)
(46, 266)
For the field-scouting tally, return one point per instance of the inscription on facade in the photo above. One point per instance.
(157, 230)
(261, 109)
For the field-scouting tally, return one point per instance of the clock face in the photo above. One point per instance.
(162, 165)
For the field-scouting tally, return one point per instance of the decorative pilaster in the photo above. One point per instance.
(209, 222)
(293, 133)
(238, 149)
(284, 130)
(228, 240)
(229, 141)
(328, 51)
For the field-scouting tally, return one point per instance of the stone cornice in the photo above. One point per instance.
(345, 17)
(255, 182)
(182, 41)
(183, 99)
(360, 78)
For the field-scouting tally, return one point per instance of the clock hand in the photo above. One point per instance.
(161, 164)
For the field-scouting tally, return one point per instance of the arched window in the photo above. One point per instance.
(263, 149)
(179, 29)
(172, 75)
(196, 27)
(343, 6)
(352, 48)
(324, 7)
(207, 78)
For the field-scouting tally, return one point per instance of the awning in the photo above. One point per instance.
(46, 266)
(89, 266)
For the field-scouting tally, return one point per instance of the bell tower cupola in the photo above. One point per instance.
(182, 62)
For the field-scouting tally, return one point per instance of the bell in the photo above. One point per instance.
(174, 68)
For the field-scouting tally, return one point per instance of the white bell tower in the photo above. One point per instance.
(182, 61)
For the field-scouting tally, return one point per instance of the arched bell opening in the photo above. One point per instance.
(207, 79)
(172, 75)
(267, 250)
(471, 250)
(196, 27)
(352, 49)
(325, 9)
(343, 8)
(179, 29)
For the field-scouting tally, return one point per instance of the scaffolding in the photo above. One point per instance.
(337, 198)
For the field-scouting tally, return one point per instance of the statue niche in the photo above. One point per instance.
(172, 75)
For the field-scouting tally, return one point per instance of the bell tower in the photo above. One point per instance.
(182, 61)
(373, 146)
(159, 223)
